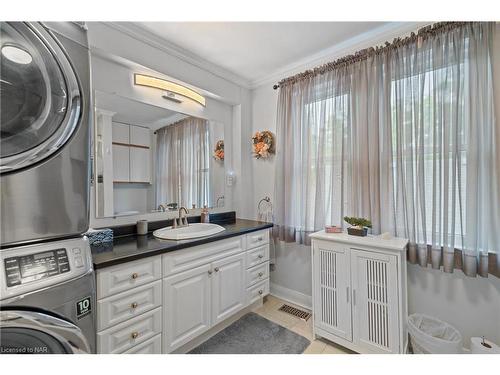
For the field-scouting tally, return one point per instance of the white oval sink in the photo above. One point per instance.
(193, 230)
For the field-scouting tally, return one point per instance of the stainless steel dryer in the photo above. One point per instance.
(45, 131)
(48, 298)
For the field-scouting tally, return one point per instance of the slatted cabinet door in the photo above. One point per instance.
(375, 301)
(332, 305)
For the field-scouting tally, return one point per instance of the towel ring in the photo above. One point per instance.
(265, 199)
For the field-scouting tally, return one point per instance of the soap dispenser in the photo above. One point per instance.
(205, 216)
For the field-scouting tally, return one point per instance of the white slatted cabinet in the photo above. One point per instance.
(332, 310)
(359, 291)
(375, 300)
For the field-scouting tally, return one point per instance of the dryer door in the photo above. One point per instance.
(39, 95)
(36, 332)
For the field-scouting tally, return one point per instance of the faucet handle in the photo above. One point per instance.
(174, 223)
(186, 223)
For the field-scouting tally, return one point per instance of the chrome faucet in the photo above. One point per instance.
(181, 223)
(162, 208)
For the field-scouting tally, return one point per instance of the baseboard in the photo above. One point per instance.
(291, 295)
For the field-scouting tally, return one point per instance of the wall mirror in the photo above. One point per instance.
(151, 159)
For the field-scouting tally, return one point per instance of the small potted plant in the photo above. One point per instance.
(359, 226)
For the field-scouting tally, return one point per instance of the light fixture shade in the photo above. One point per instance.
(158, 83)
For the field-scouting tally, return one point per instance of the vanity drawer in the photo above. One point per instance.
(129, 275)
(257, 256)
(130, 333)
(186, 259)
(257, 291)
(257, 238)
(258, 273)
(120, 307)
(151, 346)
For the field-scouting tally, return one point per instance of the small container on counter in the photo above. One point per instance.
(205, 216)
(142, 227)
(333, 229)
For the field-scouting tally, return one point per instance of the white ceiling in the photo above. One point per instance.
(254, 50)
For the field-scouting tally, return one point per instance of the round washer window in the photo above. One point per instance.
(37, 96)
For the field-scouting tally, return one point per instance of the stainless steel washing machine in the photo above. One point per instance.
(48, 298)
(45, 131)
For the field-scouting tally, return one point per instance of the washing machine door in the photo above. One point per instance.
(38, 332)
(39, 95)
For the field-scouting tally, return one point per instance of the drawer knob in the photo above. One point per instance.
(134, 335)
(260, 274)
(209, 272)
(216, 269)
(135, 275)
(261, 256)
(259, 238)
(261, 291)
(134, 305)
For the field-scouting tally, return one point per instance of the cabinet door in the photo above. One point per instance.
(332, 304)
(121, 163)
(121, 133)
(139, 136)
(140, 165)
(228, 287)
(186, 306)
(375, 301)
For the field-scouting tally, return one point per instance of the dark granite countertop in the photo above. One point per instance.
(133, 247)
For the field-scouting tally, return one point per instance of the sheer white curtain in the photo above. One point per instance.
(405, 136)
(183, 161)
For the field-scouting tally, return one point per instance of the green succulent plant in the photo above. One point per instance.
(358, 221)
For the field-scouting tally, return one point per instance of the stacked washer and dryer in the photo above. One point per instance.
(47, 283)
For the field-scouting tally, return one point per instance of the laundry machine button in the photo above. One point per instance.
(78, 261)
(77, 250)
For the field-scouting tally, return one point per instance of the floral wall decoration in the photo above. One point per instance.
(219, 151)
(264, 144)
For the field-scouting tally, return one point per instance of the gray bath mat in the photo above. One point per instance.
(253, 334)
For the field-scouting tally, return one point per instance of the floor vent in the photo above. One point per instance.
(301, 314)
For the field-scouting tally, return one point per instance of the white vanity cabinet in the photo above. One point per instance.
(160, 303)
(359, 291)
(187, 299)
(129, 306)
(204, 285)
(197, 299)
(228, 287)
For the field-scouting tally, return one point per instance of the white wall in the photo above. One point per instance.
(217, 167)
(471, 304)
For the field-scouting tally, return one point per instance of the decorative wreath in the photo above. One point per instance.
(219, 150)
(263, 144)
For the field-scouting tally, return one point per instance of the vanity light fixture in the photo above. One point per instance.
(171, 89)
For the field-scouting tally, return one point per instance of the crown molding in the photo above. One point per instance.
(370, 38)
(367, 39)
(139, 33)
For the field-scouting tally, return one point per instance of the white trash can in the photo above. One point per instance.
(429, 335)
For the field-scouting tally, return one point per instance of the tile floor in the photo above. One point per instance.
(269, 310)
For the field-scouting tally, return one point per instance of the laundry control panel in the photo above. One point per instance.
(25, 268)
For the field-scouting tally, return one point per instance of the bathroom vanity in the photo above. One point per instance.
(160, 296)
(359, 291)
